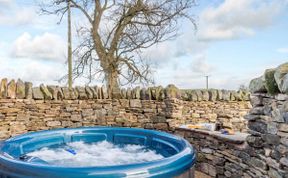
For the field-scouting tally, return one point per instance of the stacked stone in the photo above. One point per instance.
(218, 155)
(159, 93)
(264, 153)
(151, 93)
(64, 93)
(12, 89)
(273, 81)
(268, 123)
(21, 90)
(25, 108)
(229, 114)
(268, 126)
(22, 115)
(215, 95)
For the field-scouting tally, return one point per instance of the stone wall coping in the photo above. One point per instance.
(237, 138)
(279, 96)
(25, 90)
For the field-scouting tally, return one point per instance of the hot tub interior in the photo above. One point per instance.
(81, 154)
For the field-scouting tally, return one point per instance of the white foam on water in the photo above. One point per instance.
(98, 154)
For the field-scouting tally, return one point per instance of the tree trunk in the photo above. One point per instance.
(112, 83)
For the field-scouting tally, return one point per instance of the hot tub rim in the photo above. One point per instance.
(187, 160)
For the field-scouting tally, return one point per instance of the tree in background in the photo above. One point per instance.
(117, 32)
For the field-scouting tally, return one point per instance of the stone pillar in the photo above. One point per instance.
(174, 111)
(268, 126)
(268, 123)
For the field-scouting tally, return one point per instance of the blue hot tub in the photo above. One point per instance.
(178, 161)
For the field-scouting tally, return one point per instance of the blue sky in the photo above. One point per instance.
(236, 40)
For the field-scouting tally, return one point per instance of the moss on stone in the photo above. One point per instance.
(279, 75)
(257, 85)
(270, 82)
(171, 91)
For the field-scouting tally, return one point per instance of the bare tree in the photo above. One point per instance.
(117, 33)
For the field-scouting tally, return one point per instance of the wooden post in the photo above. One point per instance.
(69, 46)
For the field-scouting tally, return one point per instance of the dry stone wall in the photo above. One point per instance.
(229, 114)
(268, 126)
(261, 154)
(219, 155)
(264, 152)
(22, 115)
(25, 108)
(268, 121)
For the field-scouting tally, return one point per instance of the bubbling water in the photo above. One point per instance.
(80, 154)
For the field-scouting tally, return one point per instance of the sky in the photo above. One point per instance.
(235, 41)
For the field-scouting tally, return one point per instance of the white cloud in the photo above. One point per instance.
(282, 50)
(185, 78)
(13, 14)
(39, 72)
(230, 20)
(185, 73)
(160, 53)
(47, 46)
(31, 70)
(26, 14)
(185, 44)
(200, 65)
(5, 2)
(235, 19)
